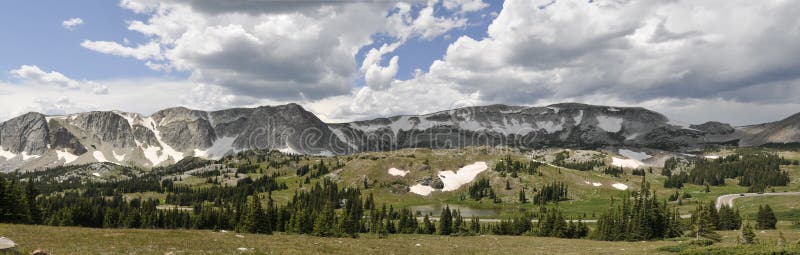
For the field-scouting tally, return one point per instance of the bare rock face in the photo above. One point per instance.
(144, 135)
(61, 138)
(185, 129)
(108, 127)
(713, 127)
(27, 133)
(174, 134)
(286, 127)
(563, 125)
(782, 131)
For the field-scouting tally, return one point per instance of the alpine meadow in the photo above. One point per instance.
(400, 127)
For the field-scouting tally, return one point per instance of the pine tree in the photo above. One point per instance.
(34, 212)
(747, 235)
(522, 198)
(766, 218)
(446, 222)
(703, 225)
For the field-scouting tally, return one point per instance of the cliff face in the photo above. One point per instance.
(34, 140)
(26, 134)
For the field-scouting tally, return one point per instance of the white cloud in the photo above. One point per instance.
(427, 25)
(692, 60)
(36, 77)
(632, 51)
(72, 24)
(142, 52)
(464, 5)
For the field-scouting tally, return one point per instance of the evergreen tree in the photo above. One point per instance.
(446, 222)
(766, 218)
(747, 235)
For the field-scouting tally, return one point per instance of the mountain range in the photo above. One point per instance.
(34, 140)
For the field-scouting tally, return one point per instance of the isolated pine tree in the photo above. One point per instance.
(747, 235)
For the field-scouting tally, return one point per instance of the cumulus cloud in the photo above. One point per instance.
(283, 50)
(72, 24)
(403, 24)
(464, 5)
(679, 57)
(629, 52)
(35, 74)
(141, 52)
(36, 77)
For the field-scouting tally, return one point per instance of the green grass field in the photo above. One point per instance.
(73, 240)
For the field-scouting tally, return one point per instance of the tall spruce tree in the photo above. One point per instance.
(446, 222)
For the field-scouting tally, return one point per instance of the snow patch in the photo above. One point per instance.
(550, 126)
(620, 186)
(555, 109)
(711, 157)
(596, 184)
(25, 156)
(420, 189)
(289, 150)
(627, 163)
(578, 118)
(610, 124)
(342, 137)
(454, 180)
(6, 154)
(98, 155)
(612, 109)
(151, 153)
(96, 174)
(217, 150)
(634, 155)
(397, 172)
(118, 157)
(66, 156)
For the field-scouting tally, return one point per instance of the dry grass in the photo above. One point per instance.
(71, 240)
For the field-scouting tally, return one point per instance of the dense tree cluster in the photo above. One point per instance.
(676, 180)
(549, 224)
(553, 192)
(480, 189)
(640, 217)
(615, 171)
(670, 166)
(765, 218)
(561, 160)
(509, 166)
(757, 170)
(18, 202)
(724, 218)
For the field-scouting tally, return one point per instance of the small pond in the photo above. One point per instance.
(466, 211)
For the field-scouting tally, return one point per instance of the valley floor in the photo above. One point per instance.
(74, 240)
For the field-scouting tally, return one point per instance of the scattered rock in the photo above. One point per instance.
(437, 183)
(240, 236)
(418, 245)
(7, 245)
(40, 252)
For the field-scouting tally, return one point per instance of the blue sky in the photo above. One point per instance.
(36, 37)
(44, 42)
(691, 60)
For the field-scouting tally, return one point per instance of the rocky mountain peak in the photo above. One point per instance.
(27, 133)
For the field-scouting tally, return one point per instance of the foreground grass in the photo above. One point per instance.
(72, 240)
